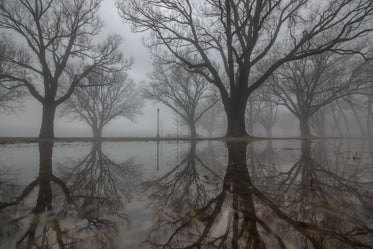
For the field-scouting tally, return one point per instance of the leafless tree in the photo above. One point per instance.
(307, 85)
(261, 111)
(185, 93)
(268, 111)
(225, 40)
(10, 98)
(363, 74)
(213, 119)
(113, 95)
(54, 46)
(350, 111)
(253, 109)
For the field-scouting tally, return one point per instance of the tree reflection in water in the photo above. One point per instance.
(81, 207)
(312, 205)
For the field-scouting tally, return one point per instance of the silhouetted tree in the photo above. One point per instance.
(268, 111)
(10, 98)
(261, 110)
(114, 95)
(212, 120)
(225, 40)
(307, 85)
(363, 74)
(252, 112)
(185, 93)
(54, 47)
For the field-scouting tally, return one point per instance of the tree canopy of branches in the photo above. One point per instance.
(53, 46)
(185, 93)
(225, 40)
(98, 105)
(363, 74)
(10, 98)
(307, 85)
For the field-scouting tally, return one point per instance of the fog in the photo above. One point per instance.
(27, 121)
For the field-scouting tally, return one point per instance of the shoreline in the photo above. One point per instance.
(15, 140)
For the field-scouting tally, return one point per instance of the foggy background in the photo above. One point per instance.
(26, 122)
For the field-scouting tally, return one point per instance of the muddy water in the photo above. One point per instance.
(263, 194)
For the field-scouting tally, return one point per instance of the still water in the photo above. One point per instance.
(210, 194)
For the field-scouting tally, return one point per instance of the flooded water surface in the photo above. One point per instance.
(209, 194)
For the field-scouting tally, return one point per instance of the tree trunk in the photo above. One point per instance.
(97, 131)
(235, 110)
(192, 127)
(44, 201)
(47, 122)
(304, 127)
(268, 131)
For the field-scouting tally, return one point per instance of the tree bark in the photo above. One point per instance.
(96, 131)
(192, 128)
(47, 122)
(235, 110)
(304, 127)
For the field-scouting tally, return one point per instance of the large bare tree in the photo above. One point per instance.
(188, 94)
(54, 46)
(225, 40)
(112, 96)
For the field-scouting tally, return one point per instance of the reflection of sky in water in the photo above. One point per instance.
(268, 164)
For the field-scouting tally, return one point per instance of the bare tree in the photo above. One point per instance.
(185, 93)
(268, 111)
(253, 109)
(10, 98)
(225, 40)
(54, 46)
(307, 85)
(318, 121)
(261, 110)
(98, 105)
(213, 119)
(363, 74)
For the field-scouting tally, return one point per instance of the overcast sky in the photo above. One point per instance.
(27, 122)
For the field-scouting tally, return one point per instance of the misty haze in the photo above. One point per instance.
(186, 124)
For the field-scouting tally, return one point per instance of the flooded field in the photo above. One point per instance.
(210, 194)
